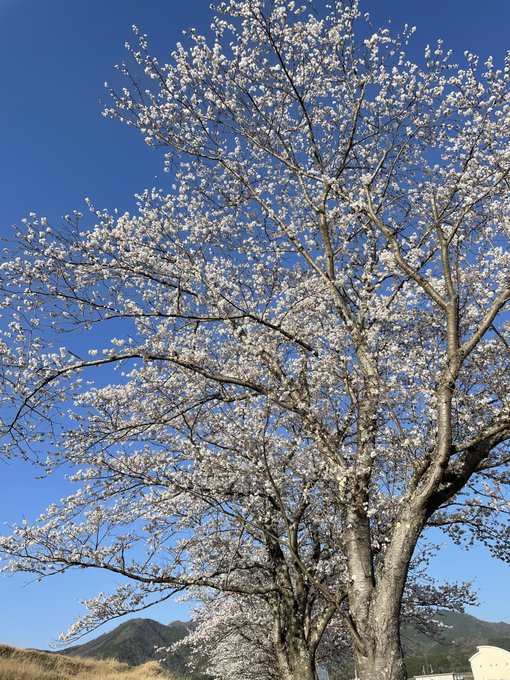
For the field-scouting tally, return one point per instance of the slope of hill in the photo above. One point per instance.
(136, 641)
(29, 664)
(460, 630)
(461, 634)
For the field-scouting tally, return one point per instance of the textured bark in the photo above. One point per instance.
(295, 660)
(385, 662)
(295, 639)
(376, 645)
(376, 595)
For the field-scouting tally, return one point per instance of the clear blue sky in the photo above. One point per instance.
(56, 149)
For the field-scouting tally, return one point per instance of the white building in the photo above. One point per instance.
(490, 663)
(440, 676)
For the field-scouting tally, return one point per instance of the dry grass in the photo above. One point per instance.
(26, 664)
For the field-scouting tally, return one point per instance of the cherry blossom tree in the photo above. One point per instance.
(241, 520)
(235, 637)
(308, 327)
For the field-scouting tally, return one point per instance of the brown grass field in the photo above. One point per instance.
(27, 664)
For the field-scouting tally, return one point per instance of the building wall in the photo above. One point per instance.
(490, 663)
(441, 676)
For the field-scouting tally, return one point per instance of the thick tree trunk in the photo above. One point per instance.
(376, 596)
(296, 664)
(383, 658)
(296, 660)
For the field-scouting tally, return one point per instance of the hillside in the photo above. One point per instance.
(135, 642)
(460, 630)
(460, 637)
(28, 664)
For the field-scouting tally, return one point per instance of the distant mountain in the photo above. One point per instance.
(462, 630)
(135, 642)
(460, 635)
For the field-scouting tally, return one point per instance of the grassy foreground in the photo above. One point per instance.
(27, 664)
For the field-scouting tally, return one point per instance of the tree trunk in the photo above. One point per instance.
(376, 594)
(296, 667)
(383, 659)
(302, 666)
(296, 661)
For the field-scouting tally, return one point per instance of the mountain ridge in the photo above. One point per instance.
(461, 634)
(136, 641)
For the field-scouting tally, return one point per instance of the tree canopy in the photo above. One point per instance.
(282, 369)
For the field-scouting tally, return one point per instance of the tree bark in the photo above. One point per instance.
(295, 663)
(295, 657)
(382, 658)
(375, 636)
(376, 593)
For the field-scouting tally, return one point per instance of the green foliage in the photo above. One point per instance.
(503, 642)
(446, 662)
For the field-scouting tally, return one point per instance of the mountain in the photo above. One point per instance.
(135, 642)
(460, 635)
(460, 630)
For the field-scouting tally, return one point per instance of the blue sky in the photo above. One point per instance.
(56, 149)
